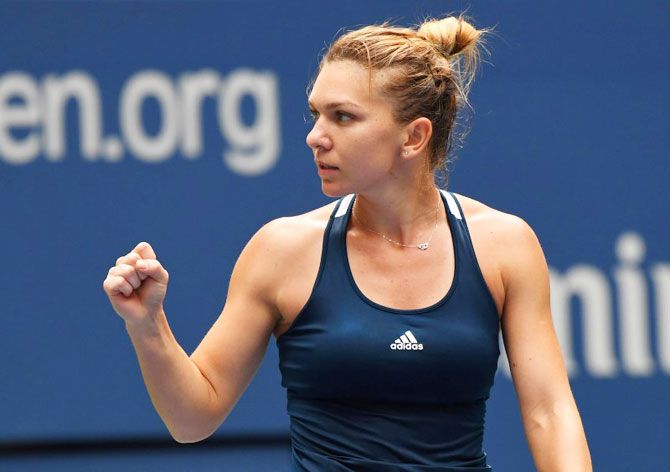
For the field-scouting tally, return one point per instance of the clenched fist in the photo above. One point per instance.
(137, 284)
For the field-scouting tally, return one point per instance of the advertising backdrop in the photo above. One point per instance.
(183, 124)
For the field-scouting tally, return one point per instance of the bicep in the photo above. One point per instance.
(532, 347)
(231, 351)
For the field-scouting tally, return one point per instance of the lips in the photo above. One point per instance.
(323, 165)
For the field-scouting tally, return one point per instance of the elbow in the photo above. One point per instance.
(188, 434)
(192, 425)
(189, 437)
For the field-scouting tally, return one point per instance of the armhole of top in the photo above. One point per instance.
(473, 254)
(324, 252)
(322, 263)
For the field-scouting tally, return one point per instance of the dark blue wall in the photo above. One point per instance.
(570, 133)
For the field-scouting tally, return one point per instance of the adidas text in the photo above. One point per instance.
(407, 346)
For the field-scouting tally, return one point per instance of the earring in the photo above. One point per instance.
(406, 153)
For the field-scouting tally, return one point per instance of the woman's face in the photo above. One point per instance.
(354, 130)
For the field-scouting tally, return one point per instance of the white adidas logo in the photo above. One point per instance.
(407, 342)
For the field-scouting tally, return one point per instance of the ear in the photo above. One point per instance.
(417, 137)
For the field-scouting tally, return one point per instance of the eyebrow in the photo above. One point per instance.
(332, 105)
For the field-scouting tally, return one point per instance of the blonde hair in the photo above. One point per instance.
(435, 66)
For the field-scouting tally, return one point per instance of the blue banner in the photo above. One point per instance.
(183, 124)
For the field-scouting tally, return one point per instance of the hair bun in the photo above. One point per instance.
(451, 35)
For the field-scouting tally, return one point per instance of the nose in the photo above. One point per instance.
(318, 138)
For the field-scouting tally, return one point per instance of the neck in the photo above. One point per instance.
(405, 216)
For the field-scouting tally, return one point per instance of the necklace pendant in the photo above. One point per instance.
(423, 246)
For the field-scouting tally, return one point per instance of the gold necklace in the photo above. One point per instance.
(422, 246)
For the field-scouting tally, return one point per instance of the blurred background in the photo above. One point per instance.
(183, 124)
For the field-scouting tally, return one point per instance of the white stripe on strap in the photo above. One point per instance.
(344, 205)
(451, 202)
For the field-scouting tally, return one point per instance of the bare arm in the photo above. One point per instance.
(551, 420)
(194, 394)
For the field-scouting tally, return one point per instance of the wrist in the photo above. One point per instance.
(151, 325)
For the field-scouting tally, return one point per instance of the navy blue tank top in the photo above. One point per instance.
(373, 388)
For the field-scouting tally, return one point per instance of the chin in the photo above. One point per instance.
(334, 191)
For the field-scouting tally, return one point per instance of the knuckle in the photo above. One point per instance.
(124, 285)
(129, 272)
(154, 264)
(110, 284)
(131, 256)
(142, 246)
(123, 269)
(126, 273)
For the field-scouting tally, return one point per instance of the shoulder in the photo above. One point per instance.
(497, 221)
(506, 237)
(281, 240)
(279, 251)
(288, 232)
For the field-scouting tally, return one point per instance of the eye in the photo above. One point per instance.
(343, 117)
(312, 116)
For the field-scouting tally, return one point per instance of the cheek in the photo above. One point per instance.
(378, 152)
(378, 142)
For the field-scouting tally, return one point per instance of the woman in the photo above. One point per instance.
(386, 303)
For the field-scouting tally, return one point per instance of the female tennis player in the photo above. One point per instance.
(387, 303)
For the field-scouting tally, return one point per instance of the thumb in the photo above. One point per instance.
(153, 269)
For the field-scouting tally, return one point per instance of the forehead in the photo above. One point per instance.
(347, 81)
